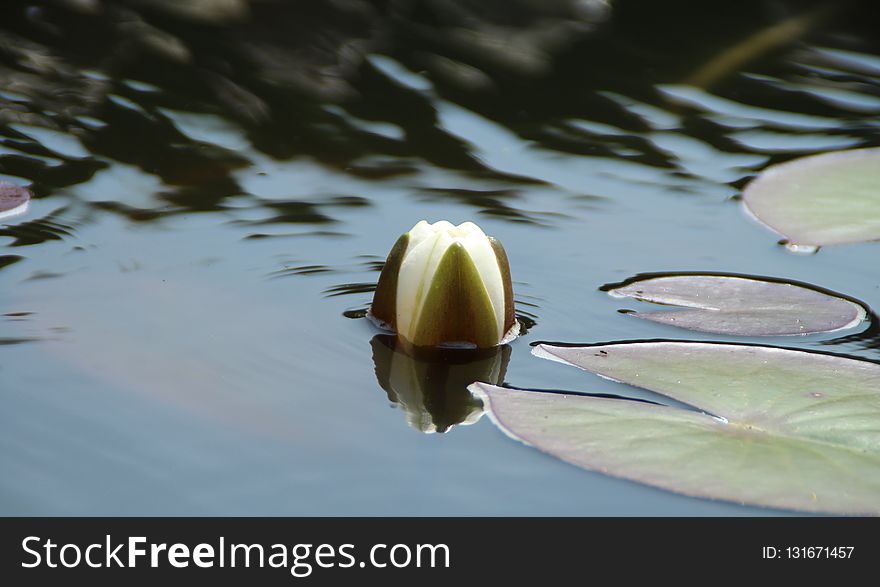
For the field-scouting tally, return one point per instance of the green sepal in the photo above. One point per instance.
(384, 306)
(504, 266)
(457, 308)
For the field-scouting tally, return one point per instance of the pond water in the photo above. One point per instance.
(215, 192)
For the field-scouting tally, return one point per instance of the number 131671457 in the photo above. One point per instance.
(808, 552)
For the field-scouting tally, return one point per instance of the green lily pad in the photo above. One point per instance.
(741, 306)
(772, 427)
(827, 199)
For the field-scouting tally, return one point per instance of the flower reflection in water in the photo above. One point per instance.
(430, 384)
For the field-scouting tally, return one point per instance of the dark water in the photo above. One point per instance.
(215, 190)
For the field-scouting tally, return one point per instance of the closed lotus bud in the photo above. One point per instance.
(446, 285)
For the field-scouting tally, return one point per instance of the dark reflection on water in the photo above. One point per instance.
(10, 341)
(350, 289)
(867, 339)
(301, 270)
(190, 153)
(321, 233)
(34, 232)
(195, 86)
(7, 260)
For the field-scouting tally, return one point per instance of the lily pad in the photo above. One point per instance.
(827, 199)
(772, 427)
(741, 306)
(13, 199)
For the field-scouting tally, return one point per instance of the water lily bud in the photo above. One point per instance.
(447, 285)
(430, 384)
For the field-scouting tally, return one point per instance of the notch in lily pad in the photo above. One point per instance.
(769, 426)
(740, 305)
(14, 199)
(820, 200)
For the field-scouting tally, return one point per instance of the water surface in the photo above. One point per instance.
(214, 194)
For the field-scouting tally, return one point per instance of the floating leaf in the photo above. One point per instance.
(779, 427)
(13, 199)
(827, 199)
(741, 306)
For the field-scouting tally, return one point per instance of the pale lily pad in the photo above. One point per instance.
(778, 427)
(13, 199)
(827, 199)
(741, 306)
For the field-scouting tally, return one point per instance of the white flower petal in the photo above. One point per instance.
(469, 228)
(416, 273)
(418, 233)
